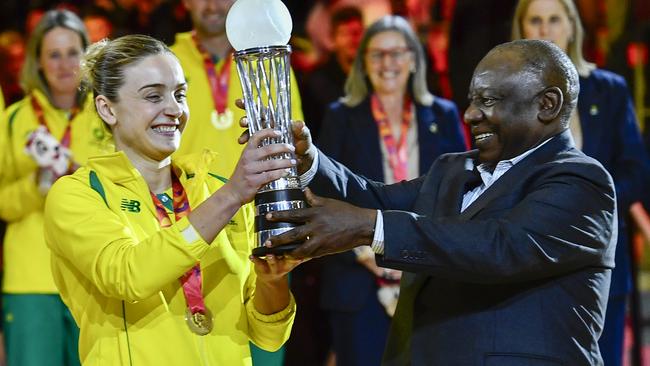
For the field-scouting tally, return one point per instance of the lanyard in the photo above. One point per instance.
(191, 280)
(40, 115)
(397, 151)
(218, 81)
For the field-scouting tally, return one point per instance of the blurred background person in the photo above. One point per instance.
(388, 127)
(310, 340)
(213, 86)
(47, 134)
(324, 84)
(3, 225)
(603, 126)
(318, 27)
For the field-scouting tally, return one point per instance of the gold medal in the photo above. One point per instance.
(199, 323)
(221, 121)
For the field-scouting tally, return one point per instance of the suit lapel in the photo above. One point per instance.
(452, 189)
(514, 175)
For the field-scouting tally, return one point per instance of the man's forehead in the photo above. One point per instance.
(503, 75)
(497, 77)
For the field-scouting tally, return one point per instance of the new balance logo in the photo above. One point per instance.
(130, 205)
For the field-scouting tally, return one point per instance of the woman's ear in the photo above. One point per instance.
(550, 104)
(105, 110)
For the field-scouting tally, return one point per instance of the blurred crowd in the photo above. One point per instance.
(447, 38)
(455, 33)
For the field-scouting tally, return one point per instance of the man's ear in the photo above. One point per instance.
(550, 104)
(105, 110)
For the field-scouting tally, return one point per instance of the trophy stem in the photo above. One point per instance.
(264, 74)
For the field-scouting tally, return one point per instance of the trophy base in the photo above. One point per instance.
(278, 251)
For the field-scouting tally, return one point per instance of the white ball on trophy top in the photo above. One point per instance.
(258, 23)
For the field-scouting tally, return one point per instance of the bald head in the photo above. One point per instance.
(522, 93)
(554, 67)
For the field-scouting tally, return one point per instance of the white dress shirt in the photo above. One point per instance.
(488, 178)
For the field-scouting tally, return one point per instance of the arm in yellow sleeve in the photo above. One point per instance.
(19, 193)
(268, 332)
(19, 197)
(100, 243)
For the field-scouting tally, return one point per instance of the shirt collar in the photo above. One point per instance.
(502, 166)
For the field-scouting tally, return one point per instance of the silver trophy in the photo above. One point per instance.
(264, 73)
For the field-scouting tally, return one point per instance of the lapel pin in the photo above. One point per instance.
(593, 110)
(433, 128)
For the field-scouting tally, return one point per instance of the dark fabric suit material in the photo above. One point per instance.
(350, 136)
(521, 277)
(349, 292)
(611, 136)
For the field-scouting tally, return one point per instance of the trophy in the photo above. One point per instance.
(259, 31)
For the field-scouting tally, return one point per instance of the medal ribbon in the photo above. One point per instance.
(40, 115)
(397, 152)
(218, 81)
(191, 280)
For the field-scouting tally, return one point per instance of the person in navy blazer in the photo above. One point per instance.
(350, 133)
(509, 248)
(604, 128)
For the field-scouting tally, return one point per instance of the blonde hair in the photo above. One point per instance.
(31, 77)
(574, 47)
(357, 86)
(102, 68)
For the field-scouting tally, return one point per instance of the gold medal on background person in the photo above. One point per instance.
(221, 117)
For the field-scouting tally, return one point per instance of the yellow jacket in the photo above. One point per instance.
(26, 258)
(200, 133)
(118, 271)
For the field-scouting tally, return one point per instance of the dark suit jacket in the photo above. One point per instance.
(521, 277)
(350, 136)
(611, 136)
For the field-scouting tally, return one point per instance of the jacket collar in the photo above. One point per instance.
(117, 167)
(560, 142)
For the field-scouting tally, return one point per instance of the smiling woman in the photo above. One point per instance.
(156, 89)
(47, 134)
(389, 128)
(152, 253)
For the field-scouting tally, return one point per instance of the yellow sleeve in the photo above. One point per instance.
(18, 196)
(268, 332)
(100, 244)
(296, 102)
